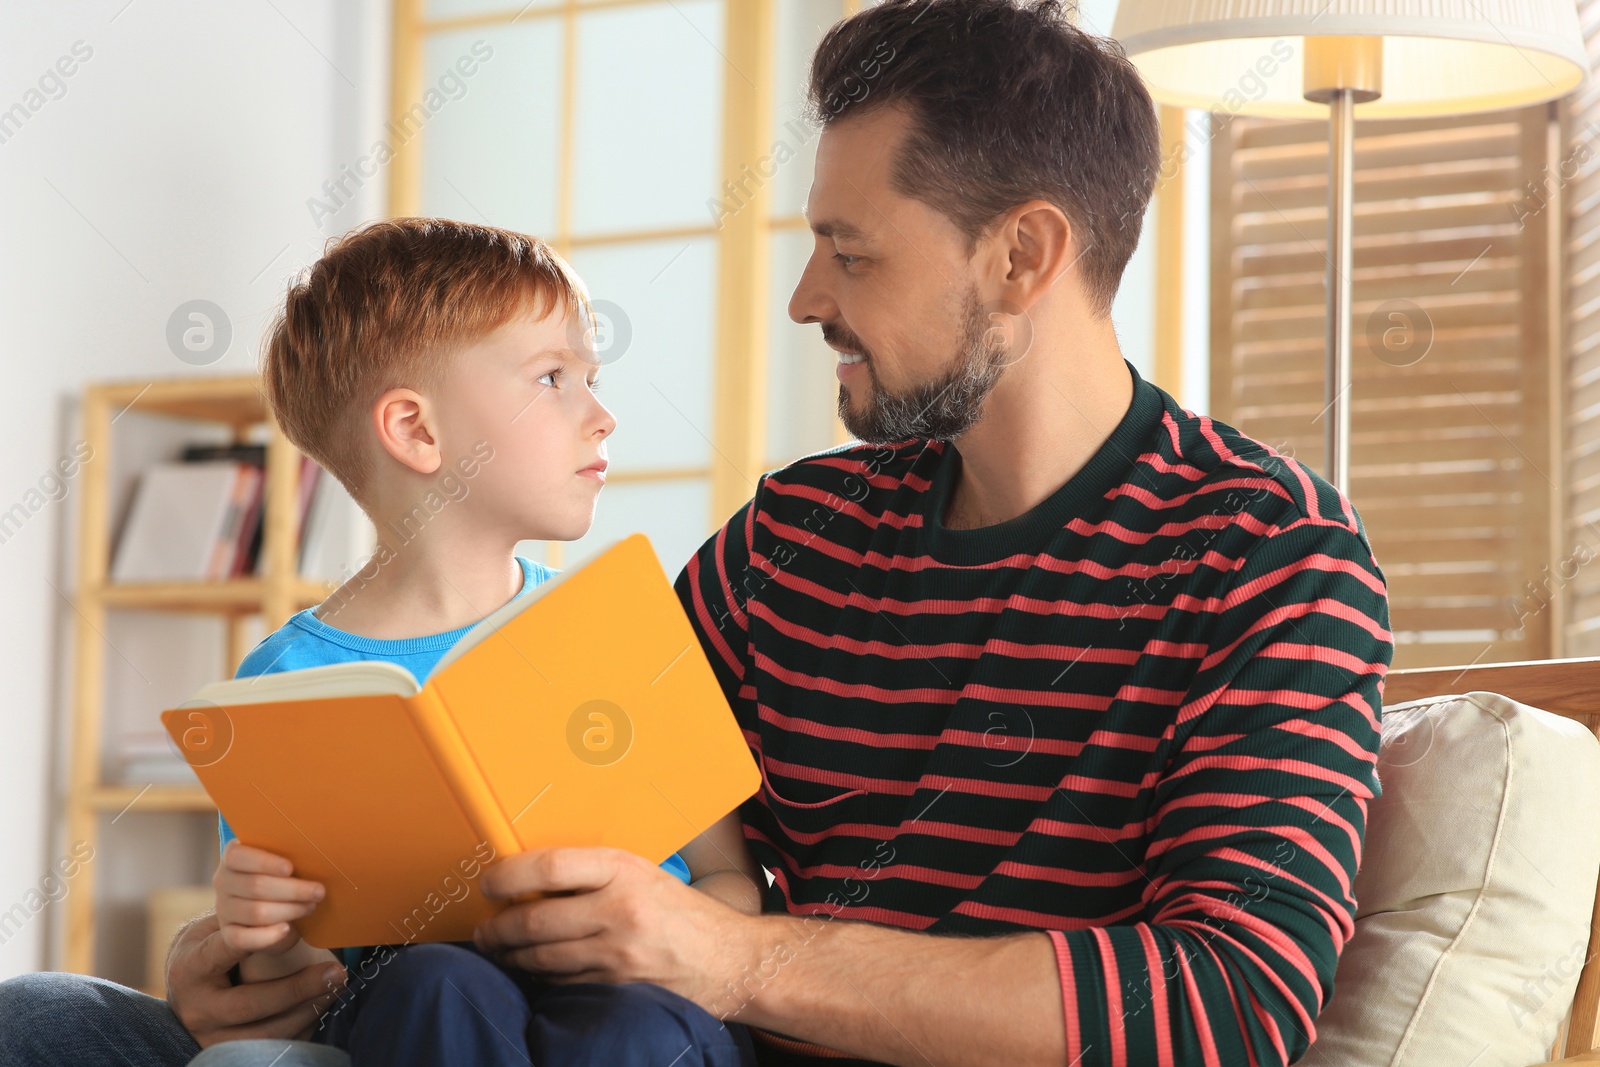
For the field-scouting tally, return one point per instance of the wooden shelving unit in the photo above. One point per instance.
(277, 593)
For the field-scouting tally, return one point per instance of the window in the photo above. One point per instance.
(659, 146)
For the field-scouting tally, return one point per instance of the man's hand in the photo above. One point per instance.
(617, 918)
(213, 1009)
(868, 990)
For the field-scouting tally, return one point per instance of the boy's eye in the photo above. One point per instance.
(552, 375)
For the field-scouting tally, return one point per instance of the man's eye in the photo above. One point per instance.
(848, 261)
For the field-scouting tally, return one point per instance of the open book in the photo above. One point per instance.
(581, 713)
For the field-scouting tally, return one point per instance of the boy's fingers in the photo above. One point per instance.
(253, 915)
(250, 860)
(248, 939)
(233, 911)
(266, 887)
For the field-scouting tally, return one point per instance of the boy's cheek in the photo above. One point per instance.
(469, 465)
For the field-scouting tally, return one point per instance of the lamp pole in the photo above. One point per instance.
(1341, 249)
(1341, 72)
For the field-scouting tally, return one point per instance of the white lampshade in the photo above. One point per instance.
(1439, 56)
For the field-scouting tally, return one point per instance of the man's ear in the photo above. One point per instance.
(407, 428)
(1041, 246)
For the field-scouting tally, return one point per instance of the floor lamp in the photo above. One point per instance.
(1383, 58)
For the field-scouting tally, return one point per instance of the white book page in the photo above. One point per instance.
(357, 678)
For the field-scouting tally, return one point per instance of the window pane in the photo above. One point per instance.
(800, 25)
(1133, 311)
(658, 383)
(442, 9)
(1096, 16)
(647, 157)
(674, 515)
(492, 146)
(802, 389)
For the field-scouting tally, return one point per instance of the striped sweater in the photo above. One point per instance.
(1142, 718)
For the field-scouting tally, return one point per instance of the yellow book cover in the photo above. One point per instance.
(582, 713)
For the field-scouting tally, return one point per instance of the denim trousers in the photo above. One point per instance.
(422, 1006)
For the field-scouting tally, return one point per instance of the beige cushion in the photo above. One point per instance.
(1476, 889)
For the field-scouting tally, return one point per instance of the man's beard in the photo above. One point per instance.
(942, 409)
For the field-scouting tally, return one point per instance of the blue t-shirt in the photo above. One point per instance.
(307, 641)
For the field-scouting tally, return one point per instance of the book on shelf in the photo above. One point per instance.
(150, 757)
(247, 560)
(583, 712)
(184, 522)
(201, 517)
(338, 538)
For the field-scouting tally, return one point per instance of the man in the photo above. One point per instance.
(1065, 698)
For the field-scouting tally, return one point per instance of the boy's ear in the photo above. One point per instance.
(403, 419)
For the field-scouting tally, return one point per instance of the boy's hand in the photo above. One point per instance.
(257, 897)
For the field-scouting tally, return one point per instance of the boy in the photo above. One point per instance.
(442, 372)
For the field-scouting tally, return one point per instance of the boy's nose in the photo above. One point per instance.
(607, 421)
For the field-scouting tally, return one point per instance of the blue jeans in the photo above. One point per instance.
(442, 1004)
(264, 1053)
(428, 1005)
(52, 1018)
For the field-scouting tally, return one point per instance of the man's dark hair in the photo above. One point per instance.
(1009, 102)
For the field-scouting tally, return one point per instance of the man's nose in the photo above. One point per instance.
(808, 302)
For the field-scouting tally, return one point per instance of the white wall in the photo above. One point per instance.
(174, 163)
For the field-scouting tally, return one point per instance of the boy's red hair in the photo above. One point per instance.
(386, 307)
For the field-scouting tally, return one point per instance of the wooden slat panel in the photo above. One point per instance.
(1378, 251)
(1577, 179)
(1447, 453)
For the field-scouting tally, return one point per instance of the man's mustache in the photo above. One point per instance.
(842, 338)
